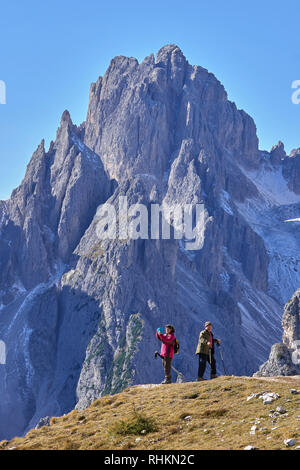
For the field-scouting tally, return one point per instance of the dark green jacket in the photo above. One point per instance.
(204, 342)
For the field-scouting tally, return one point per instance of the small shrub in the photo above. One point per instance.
(135, 424)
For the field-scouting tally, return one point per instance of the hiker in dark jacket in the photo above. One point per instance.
(167, 350)
(206, 351)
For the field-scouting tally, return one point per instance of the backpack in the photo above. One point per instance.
(176, 346)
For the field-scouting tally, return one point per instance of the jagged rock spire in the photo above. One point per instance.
(277, 153)
(284, 357)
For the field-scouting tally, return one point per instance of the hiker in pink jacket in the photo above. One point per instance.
(167, 350)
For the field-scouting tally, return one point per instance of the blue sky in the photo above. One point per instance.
(52, 50)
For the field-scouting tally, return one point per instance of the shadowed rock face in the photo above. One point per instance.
(285, 357)
(277, 154)
(78, 314)
(291, 169)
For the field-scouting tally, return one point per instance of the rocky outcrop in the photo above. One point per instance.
(277, 154)
(291, 321)
(78, 313)
(279, 363)
(284, 357)
(291, 170)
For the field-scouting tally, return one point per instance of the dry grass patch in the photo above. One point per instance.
(214, 412)
(196, 415)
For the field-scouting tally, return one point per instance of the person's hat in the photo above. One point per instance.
(207, 323)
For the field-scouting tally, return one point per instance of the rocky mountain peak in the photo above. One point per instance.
(170, 53)
(169, 100)
(119, 65)
(66, 127)
(295, 153)
(66, 118)
(84, 310)
(277, 153)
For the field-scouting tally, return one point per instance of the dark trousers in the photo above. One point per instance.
(203, 358)
(167, 361)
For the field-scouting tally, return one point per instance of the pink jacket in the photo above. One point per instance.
(167, 340)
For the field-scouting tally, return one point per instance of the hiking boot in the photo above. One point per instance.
(213, 376)
(200, 379)
(166, 381)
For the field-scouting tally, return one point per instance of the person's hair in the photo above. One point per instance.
(171, 327)
(207, 323)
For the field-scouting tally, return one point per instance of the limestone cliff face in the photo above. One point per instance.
(284, 357)
(291, 321)
(139, 114)
(48, 213)
(41, 225)
(78, 314)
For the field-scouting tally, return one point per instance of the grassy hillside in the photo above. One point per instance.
(206, 415)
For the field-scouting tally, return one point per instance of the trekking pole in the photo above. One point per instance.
(180, 375)
(221, 354)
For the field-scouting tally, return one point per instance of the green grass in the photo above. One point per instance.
(135, 424)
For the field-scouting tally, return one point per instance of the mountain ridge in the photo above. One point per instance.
(161, 131)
